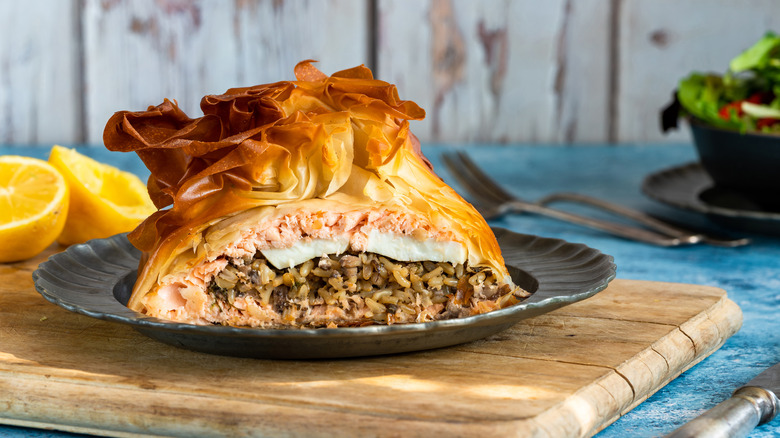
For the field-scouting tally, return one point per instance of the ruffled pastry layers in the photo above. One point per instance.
(274, 181)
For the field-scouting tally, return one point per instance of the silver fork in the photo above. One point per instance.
(493, 201)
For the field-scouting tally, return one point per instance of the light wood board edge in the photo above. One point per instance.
(664, 360)
(584, 413)
(712, 328)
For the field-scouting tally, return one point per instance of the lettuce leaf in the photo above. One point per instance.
(745, 98)
(762, 55)
(702, 96)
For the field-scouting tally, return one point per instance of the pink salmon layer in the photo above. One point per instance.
(184, 297)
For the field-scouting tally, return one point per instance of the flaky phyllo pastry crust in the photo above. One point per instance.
(304, 204)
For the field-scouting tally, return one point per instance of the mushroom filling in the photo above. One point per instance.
(352, 289)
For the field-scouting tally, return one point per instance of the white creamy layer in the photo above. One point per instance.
(409, 249)
(392, 245)
(283, 258)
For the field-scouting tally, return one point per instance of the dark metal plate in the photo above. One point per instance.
(691, 188)
(96, 278)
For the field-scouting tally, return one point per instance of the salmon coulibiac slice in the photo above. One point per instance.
(304, 203)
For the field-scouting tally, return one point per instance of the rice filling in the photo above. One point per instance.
(351, 289)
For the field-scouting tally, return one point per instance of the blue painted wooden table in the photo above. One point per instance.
(751, 274)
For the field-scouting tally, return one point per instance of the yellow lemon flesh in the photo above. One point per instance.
(103, 199)
(33, 206)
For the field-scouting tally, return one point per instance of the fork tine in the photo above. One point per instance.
(466, 179)
(490, 186)
(487, 203)
(460, 175)
(480, 183)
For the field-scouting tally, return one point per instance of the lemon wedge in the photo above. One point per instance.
(103, 199)
(33, 206)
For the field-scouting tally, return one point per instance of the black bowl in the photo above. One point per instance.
(747, 162)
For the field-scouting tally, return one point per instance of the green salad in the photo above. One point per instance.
(745, 98)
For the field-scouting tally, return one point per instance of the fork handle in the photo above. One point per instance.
(747, 408)
(621, 230)
(639, 217)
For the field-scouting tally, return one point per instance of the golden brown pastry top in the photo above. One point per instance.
(343, 137)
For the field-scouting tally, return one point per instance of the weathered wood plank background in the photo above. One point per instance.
(558, 71)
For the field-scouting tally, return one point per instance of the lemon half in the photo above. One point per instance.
(103, 199)
(33, 206)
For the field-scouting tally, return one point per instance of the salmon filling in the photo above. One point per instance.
(328, 269)
(351, 289)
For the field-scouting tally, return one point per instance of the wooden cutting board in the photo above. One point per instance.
(571, 372)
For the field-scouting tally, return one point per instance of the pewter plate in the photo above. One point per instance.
(689, 187)
(97, 277)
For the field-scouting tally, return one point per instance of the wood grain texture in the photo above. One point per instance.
(561, 71)
(40, 85)
(498, 71)
(137, 53)
(663, 41)
(567, 373)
